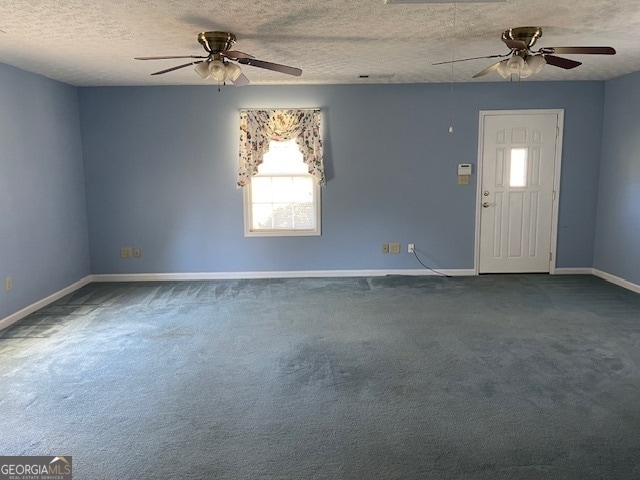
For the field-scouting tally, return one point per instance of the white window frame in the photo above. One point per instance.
(249, 231)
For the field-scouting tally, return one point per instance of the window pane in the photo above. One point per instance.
(282, 216)
(302, 189)
(262, 216)
(281, 189)
(261, 190)
(518, 176)
(303, 216)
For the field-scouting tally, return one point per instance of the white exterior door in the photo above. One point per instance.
(517, 194)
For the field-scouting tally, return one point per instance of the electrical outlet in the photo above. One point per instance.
(8, 282)
(125, 252)
(463, 179)
(385, 248)
(137, 252)
(411, 248)
(394, 248)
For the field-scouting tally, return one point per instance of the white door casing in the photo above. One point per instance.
(518, 182)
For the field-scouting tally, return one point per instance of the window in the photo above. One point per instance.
(283, 198)
(281, 170)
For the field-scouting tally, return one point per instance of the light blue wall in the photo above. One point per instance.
(161, 163)
(43, 220)
(618, 230)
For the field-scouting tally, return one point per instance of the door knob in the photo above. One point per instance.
(486, 204)
(486, 193)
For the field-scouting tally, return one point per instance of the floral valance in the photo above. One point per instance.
(259, 127)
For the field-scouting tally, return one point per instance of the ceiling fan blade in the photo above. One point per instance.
(489, 69)
(565, 63)
(472, 58)
(241, 81)
(176, 68)
(169, 58)
(254, 62)
(235, 55)
(581, 50)
(514, 44)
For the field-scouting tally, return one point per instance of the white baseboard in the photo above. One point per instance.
(621, 282)
(194, 276)
(574, 271)
(20, 314)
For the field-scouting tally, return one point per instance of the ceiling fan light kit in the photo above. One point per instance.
(217, 70)
(523, 67)
(218, 64)
(232, 71)
(202, 69)
(536, 63)
(524, 62)
(515, 64)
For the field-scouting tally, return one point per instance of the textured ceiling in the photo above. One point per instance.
(333, 41)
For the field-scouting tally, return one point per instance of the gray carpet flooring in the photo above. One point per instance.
(490, 377)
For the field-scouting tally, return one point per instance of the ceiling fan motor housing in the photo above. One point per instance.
(528, 35)
(216, 41)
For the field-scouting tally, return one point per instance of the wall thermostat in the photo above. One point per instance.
(464, 169)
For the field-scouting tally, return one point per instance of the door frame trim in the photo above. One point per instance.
(556, 179)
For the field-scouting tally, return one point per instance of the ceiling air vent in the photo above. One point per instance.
(377, 76)
(397, 2)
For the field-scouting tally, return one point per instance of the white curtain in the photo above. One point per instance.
(259, 127)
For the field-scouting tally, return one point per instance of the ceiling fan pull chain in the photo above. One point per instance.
(453, 59)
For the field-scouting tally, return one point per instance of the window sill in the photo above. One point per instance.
(282, 233)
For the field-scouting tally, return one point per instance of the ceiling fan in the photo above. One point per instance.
(217, 64)
(524, 62)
